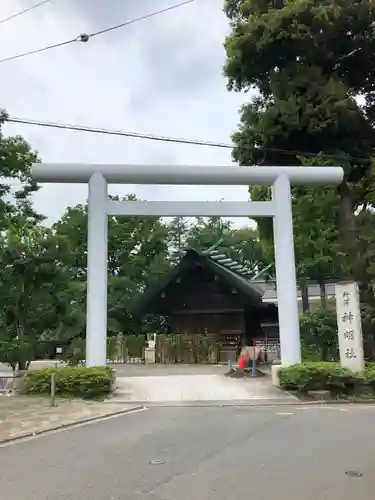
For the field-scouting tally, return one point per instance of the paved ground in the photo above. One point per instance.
(159, 370)
(140, 370)
(20, 416)
(191, 383)
(185, 384)
(192, 388)
(200, 453)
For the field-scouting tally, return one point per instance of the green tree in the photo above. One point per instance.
(365, 223)
(32, 279)
(137, 253)
(206, 232)
(309, 59)
(319, 333)
(178, 229)
(22, 250)
(318, 249)
(242, 244)
(16, 185)
(304, 57)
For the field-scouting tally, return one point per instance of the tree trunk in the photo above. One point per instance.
(347, 230)
(305, 298)
(323, 351)
(323, 295)
(22, 363)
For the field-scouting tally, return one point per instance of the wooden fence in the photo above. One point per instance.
(179, 348)
(187, 348)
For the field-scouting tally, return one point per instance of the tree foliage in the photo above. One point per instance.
(309, 60)
(137, 253)
(205, 233)
(178, 229)
(297, 55)
(316, 212)
(319, 333)
(33, 281)
(16, 185)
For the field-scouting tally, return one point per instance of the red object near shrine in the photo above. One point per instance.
(241, 362)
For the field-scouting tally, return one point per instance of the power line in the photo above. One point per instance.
(175, 140)
(147, 16)
(151, 137)
(13, 16)
(84, 37)
(36, 51)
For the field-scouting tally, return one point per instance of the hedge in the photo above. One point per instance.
(71, 381)
(306, 377)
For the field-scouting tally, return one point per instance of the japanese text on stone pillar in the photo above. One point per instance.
(349, 326)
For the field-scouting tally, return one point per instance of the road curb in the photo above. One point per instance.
(243, 403)
(54, 428)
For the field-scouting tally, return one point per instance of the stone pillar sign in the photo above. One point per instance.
(349, 326)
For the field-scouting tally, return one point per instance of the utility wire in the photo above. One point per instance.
(142, 18)
(84, 37)
(137, 135)
(36, 51)
(175, 140)
(13, 16)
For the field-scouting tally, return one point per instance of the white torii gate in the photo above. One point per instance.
(99, 208)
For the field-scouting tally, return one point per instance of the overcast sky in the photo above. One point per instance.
(160, 76)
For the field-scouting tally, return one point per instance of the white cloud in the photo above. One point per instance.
(161, 76)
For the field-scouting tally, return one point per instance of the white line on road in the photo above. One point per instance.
(328, 407)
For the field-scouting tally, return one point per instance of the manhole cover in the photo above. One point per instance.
(353, 473)
(156, 462)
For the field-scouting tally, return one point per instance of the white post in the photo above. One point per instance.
(97, 272)
(286, 272)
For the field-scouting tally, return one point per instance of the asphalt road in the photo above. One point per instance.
(202, 454)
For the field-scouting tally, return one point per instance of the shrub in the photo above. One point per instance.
(370, 375)
(16, 353)
(305, 377)
(71, 381)
(370, 372)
